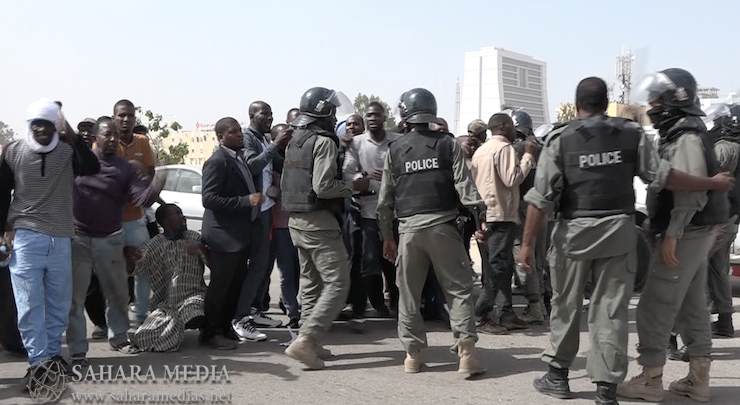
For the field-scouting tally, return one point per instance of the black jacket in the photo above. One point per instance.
(257, 159)
(227, 220)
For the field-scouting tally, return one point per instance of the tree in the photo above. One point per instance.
(6, 134)
(158, 130)
(566, 112)
(361, 103)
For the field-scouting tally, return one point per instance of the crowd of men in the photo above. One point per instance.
(357, 212)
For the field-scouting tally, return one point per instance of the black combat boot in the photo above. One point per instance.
(723, 327)
(554, 383)
(606, 394)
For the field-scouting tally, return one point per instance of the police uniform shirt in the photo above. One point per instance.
(325, 185)
(686, 154)
(591, 238)
(463, 184)
(728, 157)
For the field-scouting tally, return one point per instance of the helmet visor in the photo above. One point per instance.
(714, 112)
(343, 104)
(650, 87)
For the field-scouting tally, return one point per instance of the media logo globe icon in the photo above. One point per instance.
(47, 382)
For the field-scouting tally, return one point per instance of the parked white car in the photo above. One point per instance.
(183, 187)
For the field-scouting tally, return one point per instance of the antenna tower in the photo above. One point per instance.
(624, 75)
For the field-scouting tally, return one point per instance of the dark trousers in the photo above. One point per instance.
(434, 299)
(95, 303)
(259, 258)
(497, 275)
(10, 338)
(290, 271)
(228, 271)
(374, 267)
(357, 296)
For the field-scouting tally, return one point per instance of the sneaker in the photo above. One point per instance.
(79, 360)
(132, 307)
(261, 319)
(99, 333)
(125, 347)
(244, 328)
(64, 367)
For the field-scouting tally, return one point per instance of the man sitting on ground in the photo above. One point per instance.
(174, 262)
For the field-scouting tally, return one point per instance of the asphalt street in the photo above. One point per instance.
(366, 369)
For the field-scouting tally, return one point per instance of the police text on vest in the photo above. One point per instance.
(600, 159)
(421, 164)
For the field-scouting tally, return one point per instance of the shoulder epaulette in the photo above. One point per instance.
(555, 132)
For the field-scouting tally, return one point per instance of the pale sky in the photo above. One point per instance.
(198, 61)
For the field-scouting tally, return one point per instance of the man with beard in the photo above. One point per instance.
(174, 262)
(363, 165)
(36, 179)
(260, 155)
(98, 243)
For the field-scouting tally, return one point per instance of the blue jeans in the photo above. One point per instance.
(105, 255)
(287, 259)
(41, 272)
(136, 234)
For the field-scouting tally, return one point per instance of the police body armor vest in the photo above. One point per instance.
(715, 212)
(422, 167)
(599, 165)
(297, 194)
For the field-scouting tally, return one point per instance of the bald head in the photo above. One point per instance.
(260, 116)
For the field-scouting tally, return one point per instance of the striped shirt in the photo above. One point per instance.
(178, 291)
(42, 184)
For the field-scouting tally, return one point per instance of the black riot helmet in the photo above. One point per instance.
(674, 90)
(316, 103)
(522, 122)
(418, 106)
(731, 123)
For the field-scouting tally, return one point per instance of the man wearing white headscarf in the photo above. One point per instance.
(39, 171)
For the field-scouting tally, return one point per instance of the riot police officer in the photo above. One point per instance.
(726, 136)
(585, 174)
(313, 192)
(423, 175)
(684, 224)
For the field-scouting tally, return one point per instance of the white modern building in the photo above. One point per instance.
(495, 77)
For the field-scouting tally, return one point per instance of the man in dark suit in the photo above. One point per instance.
(231, 204)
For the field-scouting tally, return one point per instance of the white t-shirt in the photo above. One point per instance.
(266, 180)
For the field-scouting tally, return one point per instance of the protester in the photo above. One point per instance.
(231, 203)
(98, 244)
(174, 262)
(38, 170)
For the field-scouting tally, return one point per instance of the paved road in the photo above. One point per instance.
(367, 369)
